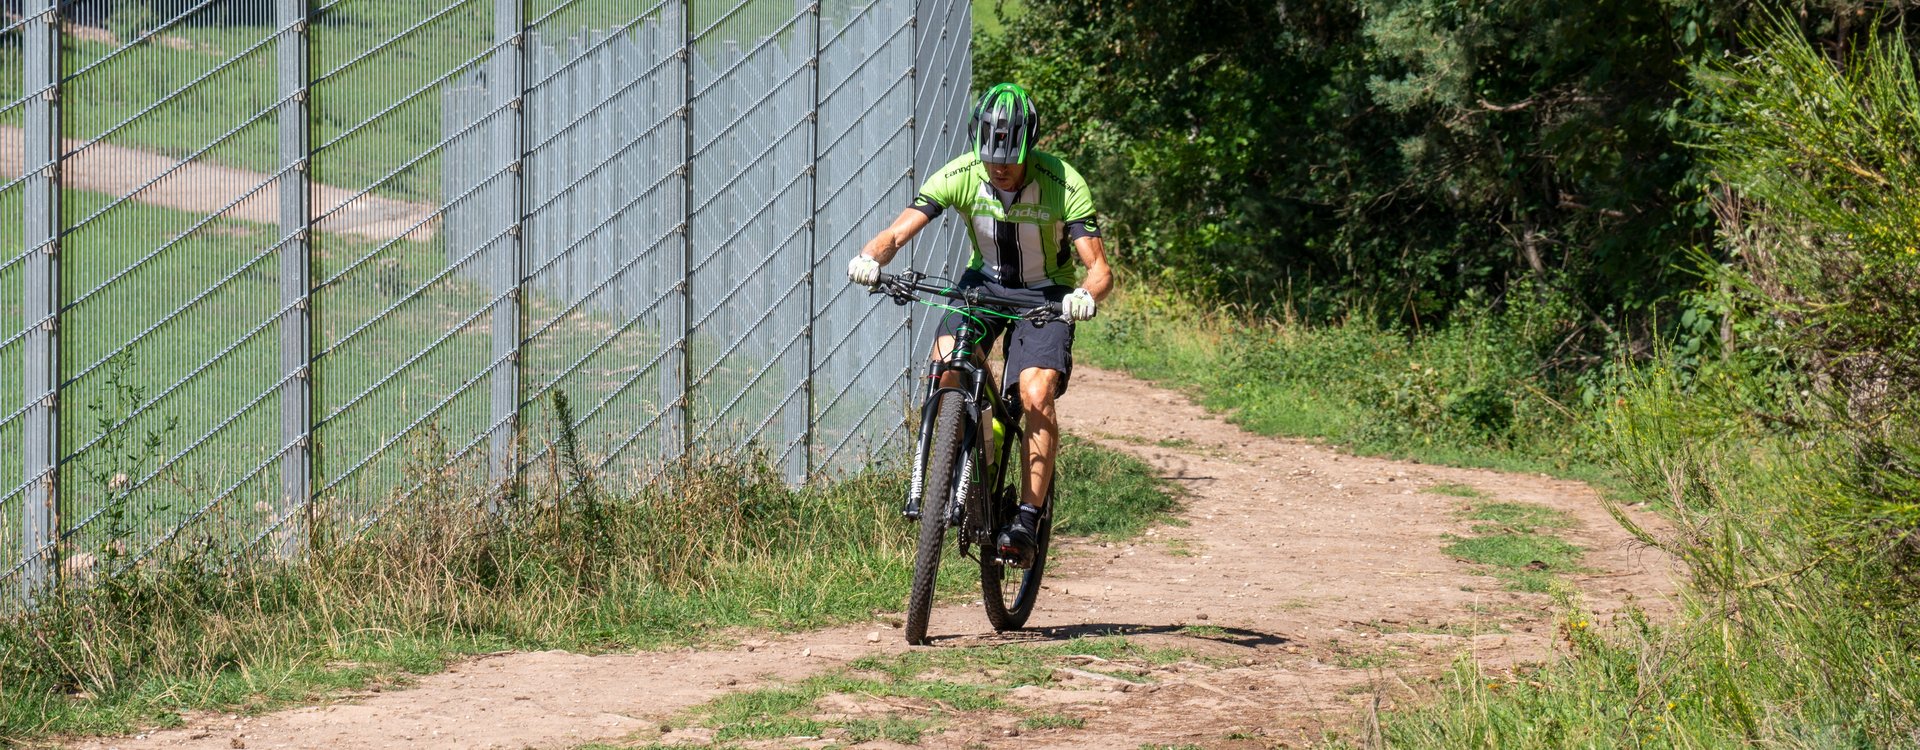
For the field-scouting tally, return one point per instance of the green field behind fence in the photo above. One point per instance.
(217, 289)
(170, 342)
(376, 116)
(380, 371)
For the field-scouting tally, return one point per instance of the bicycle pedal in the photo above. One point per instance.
(1011, 557)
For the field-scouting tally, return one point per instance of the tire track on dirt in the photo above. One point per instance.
(1311, 583)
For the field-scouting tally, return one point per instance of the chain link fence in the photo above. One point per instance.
(268, 266)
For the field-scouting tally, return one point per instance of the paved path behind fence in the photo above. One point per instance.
(198, 187)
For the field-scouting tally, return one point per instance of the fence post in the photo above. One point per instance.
(813, 245)
(509, 84)
(685, 402)
(40, 164)
(296, 278)
(915, 48)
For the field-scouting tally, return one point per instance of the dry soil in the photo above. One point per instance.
(1311, 586)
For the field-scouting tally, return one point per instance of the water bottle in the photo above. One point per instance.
(993, 437)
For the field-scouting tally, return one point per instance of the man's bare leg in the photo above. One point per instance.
(1037, 386)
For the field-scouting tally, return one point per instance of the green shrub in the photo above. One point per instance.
(1824, 190)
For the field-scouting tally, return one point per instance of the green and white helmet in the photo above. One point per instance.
(1004, 124)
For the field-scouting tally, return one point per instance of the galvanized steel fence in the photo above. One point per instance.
(272, 265)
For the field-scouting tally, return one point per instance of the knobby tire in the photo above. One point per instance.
(943, 460)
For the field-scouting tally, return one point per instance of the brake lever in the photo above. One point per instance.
(1041, 316)
(898, 288)
(891, 288)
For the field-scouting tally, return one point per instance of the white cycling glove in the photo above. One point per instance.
(1079, 305)
(863, 270)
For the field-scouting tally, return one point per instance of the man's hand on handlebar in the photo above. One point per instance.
(1079, 305)
(863, 270)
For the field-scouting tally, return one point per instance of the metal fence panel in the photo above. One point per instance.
(405, 358)
(941, 108)
(751, 147)
(605, 203)
(866, 179)
(169, 426)
(13, 318)
(316, 256)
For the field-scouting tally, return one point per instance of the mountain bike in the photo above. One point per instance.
(970, 461)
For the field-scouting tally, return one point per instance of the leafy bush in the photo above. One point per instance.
(1388, 157)
(1820, 159)
(1786, 463)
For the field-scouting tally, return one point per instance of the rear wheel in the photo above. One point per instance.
(943, 462)
(1009, 593)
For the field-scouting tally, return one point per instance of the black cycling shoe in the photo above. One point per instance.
(1016, 541)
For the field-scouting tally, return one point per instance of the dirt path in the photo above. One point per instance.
(1307, 581)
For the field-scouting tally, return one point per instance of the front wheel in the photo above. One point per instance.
(1009, 593)
(942, 467)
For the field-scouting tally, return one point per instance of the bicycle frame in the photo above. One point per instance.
(979, 495)
(980, 504)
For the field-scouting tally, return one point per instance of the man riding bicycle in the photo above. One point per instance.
(1023, 208)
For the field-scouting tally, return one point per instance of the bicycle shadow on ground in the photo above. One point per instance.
(1242, 637)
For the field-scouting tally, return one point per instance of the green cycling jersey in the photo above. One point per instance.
(1023, 238)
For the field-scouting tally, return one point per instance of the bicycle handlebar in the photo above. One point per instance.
(901, 287)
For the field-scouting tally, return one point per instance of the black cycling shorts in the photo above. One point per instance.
(1027, 345)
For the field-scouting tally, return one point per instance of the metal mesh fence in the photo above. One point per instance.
(13, 323)
(267, 265)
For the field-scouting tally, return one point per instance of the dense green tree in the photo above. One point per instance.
(1395, 154)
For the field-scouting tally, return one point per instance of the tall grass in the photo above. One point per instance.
(716, 544)
(1785, 637)
(1493, 389)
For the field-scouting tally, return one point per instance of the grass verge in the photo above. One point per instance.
(1106, 494)
(716, 545)
(1789, 635)
(1516, 544)
(1472, 394)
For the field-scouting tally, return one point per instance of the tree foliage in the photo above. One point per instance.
(1400, 155)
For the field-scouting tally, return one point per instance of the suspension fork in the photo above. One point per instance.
(960, 359)
(916, 486)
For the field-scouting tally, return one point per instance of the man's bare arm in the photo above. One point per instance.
(889, 241)
(1093, 253)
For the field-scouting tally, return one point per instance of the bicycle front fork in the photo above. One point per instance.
(917, 484)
